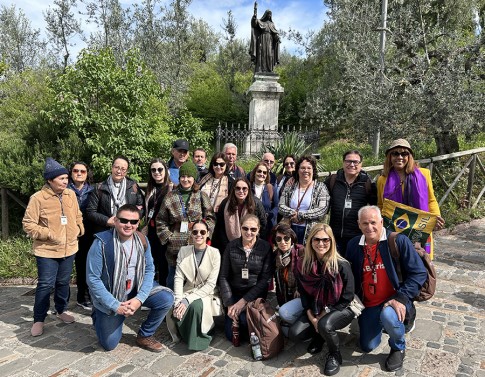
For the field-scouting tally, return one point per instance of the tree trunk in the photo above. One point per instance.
(446, 142)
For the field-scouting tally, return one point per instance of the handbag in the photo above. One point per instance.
(356, 306)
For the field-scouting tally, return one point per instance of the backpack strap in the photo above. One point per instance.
(391, 241)
(368, 187)
(143, 239)
(269, 186)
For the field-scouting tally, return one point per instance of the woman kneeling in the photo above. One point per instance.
(326, 287)
(198, 266)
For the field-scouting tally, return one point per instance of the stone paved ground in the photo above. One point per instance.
(448, 339)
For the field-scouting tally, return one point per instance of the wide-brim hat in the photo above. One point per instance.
(403, 143)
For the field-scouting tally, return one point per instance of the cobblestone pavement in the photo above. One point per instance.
(448, 339)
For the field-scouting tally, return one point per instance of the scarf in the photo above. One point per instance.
(119, 274)
(415, 189)
(284, 274)
(233, 227)
(324, 287)
(118, 194)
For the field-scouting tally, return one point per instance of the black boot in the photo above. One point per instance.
(395, 360)
(316, 345)
(332, 365)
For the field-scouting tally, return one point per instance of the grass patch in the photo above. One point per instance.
(17, 259)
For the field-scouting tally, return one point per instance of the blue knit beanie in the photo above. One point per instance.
(53, 169)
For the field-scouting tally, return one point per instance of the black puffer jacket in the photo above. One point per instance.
(99, 211)
(261, 265)
(343, 221)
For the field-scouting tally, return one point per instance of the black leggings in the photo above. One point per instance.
(302, 329)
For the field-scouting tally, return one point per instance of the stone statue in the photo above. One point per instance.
(265, 42)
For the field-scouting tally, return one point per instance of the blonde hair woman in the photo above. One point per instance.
(326, 287)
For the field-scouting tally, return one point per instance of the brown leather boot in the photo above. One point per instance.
(149, 343)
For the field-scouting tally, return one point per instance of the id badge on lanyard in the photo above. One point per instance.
(184, 225)
(245, 273)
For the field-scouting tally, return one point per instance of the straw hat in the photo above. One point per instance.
(403, 143)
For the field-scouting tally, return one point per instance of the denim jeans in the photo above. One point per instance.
(300, 233)
(371, 322)
(53, 273)
(243, 324)
(171, 277)
(291, 311)
(109, 327)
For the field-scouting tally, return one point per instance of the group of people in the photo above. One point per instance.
(202, 242)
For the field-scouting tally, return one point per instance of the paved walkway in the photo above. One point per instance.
(448, 339)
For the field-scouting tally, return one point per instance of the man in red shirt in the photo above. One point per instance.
(388, 302)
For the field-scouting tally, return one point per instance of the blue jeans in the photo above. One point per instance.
(291, 311)
(53, 273)
(371, 322)
(300, 233)
(243, 324)
(171, 277)
(109, 327)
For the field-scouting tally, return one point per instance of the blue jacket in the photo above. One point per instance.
(414, 273)
(82, 196)
(99, 273)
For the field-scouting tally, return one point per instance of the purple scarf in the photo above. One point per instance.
(324, 287)
(415, 189)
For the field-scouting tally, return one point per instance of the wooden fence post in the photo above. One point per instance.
(4, 213)
(471, 179)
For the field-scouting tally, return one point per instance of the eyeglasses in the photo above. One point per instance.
(220, 164)
(284, 238)
(397, 154)
(195, 232)
(289, 164)
(352, 162)
(269, 162)
(123, 170)
(243, 189)
(318, 240)
(259, 171)
(154, 170)
(247, 229)
(82, 171)
(126, 221)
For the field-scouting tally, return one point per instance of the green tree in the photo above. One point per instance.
(62, 26)
(20, 45)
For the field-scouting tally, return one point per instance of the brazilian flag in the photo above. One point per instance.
(414, 223)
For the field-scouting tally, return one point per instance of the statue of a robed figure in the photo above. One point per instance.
(265, 42)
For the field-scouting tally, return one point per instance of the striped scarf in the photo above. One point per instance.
(120, 270)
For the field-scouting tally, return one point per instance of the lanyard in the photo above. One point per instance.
(372, 264)
(60, 200)
(300, 200)
(127, 262)
(182, 205)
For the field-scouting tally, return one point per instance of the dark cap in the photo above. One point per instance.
(53, 169)
(181, 144)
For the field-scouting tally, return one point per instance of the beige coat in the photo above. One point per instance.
(202, 286)
(42, 222)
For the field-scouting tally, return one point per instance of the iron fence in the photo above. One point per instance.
(250, 141)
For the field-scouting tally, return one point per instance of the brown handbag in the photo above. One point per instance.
(263, 321)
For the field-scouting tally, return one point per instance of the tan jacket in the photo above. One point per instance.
(202, 286)
(42, 222)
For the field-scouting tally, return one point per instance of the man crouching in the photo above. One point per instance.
(388, 303)
(120, 275)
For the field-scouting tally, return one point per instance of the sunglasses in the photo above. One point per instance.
(289, 164)
(82, 171)
(195, 232)
(220, 164)
(243, 189)
(318, 240)
(259, 171)
(397, 154)
(247, 229)
(285, 238)
(126, 221)
(154, 170)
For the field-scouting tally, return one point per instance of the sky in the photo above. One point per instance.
(301, 15)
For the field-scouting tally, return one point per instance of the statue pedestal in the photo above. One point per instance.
(265, 93)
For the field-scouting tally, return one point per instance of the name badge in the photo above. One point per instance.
(245, 273)
(184, 227)
(348, 203)
(150, 214)
(63, 220)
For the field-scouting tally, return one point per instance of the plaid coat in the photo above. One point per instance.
(170, 217)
